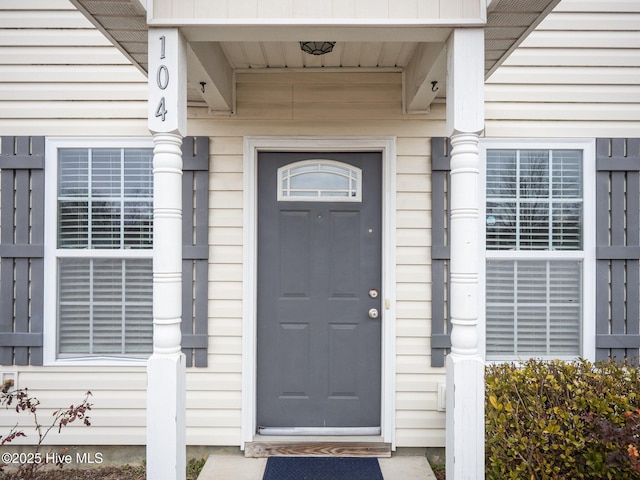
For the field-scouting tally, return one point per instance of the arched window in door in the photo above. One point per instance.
(320, 180)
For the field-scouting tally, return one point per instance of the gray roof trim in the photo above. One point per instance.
(505, 17)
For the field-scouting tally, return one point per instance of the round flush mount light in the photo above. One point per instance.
(317, 48)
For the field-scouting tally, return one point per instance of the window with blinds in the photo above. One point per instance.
(533, 308)
(105, 198)
(104, 256)
(105, 306)
(534, 242)
(534, 200)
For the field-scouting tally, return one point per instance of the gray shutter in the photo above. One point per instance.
(440, 316)
(21, 250)
(195, 249)
(617, 248)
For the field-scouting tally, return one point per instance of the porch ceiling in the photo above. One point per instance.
(416, 50)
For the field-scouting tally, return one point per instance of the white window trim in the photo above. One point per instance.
(588, 340)
(51, 253)
(252, 146)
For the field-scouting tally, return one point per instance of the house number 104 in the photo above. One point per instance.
(162, 80)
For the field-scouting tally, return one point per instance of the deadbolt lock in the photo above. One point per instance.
(373, 293)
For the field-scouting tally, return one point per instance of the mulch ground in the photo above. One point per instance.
(104, 473)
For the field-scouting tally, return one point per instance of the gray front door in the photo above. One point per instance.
(319, 274)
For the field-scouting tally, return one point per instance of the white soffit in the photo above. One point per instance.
(509, 22)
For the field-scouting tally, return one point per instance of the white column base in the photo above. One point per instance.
(465, 417)
(166, 417)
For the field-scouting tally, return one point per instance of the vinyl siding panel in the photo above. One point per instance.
(60, 76)
(118, 397)
(576, 75)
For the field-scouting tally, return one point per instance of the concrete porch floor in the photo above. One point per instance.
(238, 467)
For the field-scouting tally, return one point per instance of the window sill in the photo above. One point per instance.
(97, 362)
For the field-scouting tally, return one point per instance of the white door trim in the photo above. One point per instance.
(253, 145)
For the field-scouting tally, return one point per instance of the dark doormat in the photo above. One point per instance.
(322, 468)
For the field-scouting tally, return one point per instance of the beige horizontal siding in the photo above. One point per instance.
(320, 96)
(582, 94)
(31, 92)
(45, 19)
(101, 94)
(59, 38)
(40, 5)
(118, 399)
(576, 75)
(54, 76)
(215, 412)
(280, 104)
(60, 76)
(595, 39)
(582, 19)
(600, 6)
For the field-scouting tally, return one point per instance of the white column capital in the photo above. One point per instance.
(465, 81)
(167, 81)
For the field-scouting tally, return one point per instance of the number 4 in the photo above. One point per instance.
(161, 111)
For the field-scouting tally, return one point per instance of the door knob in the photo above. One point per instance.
(373, 313)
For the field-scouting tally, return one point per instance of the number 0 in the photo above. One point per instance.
(162, 78)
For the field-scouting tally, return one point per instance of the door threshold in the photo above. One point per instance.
(318, 431)
(297, 446)
(318, 439)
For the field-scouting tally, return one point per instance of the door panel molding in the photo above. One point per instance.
(387, 147)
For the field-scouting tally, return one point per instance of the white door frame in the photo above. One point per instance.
(253, 145)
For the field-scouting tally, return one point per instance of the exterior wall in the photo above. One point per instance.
(305, 9)
(100, 94)
(576, 75)
(547, 88)
(326, 104)
(60, 76)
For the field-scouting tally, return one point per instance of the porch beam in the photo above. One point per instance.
(287, 32)
(211, 75)
(166, 368)
(465, 367)
(425, 77)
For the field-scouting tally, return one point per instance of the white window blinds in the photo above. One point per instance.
(534, 242)
(105, 198)
(104, 240)
(105, 306)
(534, 199)
(533, 308)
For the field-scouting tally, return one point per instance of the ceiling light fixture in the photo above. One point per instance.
(317, 48)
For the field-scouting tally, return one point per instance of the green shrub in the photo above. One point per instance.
(568, 420)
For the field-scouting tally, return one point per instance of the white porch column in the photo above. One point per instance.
(166, 393)
(465, 368)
